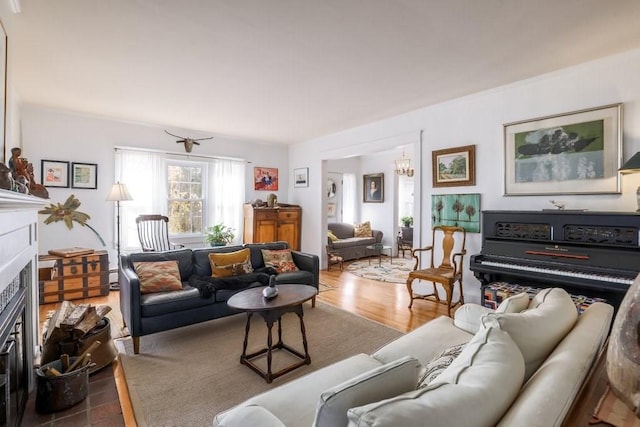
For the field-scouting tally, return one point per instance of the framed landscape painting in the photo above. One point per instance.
(461, 210)
(454, 166)
(573, 153)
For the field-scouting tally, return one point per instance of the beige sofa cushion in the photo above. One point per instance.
(540, 328)
(251, 415)
(467, 317)
(379, 383)
(474, 391)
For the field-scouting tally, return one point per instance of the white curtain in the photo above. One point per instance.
(349, 195)
(226, 195)
(145, 175)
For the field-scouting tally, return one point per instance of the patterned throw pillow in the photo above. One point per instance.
(159, 276)
(439, 364)
(227, 264)
(362, 230)
(281, 260)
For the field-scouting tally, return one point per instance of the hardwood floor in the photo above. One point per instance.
(382, 302)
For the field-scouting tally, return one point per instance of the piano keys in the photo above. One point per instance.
(596, 254)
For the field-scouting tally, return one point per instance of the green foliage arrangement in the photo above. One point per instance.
(407, 221)
(219, 235)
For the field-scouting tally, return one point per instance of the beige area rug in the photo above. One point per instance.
(396, 271)
(185, 376)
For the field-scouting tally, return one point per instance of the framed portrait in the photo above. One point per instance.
(461, 210)
(572, 153)
(54, 173)
(84, 175)
(453, 167)
(265, 179)
(373, 188)
(301, 177)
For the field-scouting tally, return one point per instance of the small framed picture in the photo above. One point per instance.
(84, 175)
(54, 173)
(301, 177)
(373, 188)
(453, 167)
(265, 179)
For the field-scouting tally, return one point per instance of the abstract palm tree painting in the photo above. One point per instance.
(462, 210)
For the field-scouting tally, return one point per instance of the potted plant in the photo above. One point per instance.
(219, 235)
(407, 221)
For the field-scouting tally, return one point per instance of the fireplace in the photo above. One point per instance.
(19, 343)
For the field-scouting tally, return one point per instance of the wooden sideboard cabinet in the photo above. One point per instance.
(75, 277)
(272, 224)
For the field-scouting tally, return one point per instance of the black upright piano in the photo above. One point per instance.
(596, 254)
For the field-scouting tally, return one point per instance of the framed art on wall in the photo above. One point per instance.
(454, 166)
(55, 173)
(265, 179)
(301, 177)
(572, 153)
(461, 210)
(84, 175)
(373, 188)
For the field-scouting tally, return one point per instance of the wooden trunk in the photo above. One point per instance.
(74, 277)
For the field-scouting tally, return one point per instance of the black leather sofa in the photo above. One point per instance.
(146, 314)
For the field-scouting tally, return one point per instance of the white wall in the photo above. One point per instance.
(59, 135)
(478, 119)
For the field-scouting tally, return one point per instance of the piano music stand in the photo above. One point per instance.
(446, 274)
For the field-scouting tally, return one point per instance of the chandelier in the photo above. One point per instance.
(403, 166)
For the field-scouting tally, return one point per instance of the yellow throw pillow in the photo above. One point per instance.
(226, 264)
(362, 230)
(281, 260)
(158, 276)
(332, 236)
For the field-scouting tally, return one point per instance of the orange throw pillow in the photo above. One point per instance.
(281, 260)
(227, 264)
(158, 276)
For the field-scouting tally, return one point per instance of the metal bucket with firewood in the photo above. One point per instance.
(61, 390)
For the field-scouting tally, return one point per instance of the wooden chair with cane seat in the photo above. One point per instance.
(447, 273)
(153, 232)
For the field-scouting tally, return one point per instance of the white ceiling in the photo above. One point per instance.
(291, 70)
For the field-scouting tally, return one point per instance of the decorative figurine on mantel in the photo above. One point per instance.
(21, 167)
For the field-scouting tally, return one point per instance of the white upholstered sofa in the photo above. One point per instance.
(523, 365)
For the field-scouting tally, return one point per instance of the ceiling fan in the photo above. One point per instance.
(188, 142)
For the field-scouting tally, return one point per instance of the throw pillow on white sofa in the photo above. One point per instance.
(490, 367)
(379, 383)
(467, 317)
(537, 330)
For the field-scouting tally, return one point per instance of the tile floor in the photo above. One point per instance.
(100, 408)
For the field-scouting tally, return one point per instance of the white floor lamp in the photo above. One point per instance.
(118, 193)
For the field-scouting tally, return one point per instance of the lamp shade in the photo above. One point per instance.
(632, 165)
(118, 193)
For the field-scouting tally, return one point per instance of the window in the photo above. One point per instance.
(193, 194)
(185, 198)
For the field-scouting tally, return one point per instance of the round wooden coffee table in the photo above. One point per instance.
(289, 300)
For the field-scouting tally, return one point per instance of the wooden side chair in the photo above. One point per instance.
(153, 232)
(334, 258)
(447, 273)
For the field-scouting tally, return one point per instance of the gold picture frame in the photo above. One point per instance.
(454, 167)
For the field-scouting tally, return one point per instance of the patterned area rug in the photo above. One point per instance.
(395, 271)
